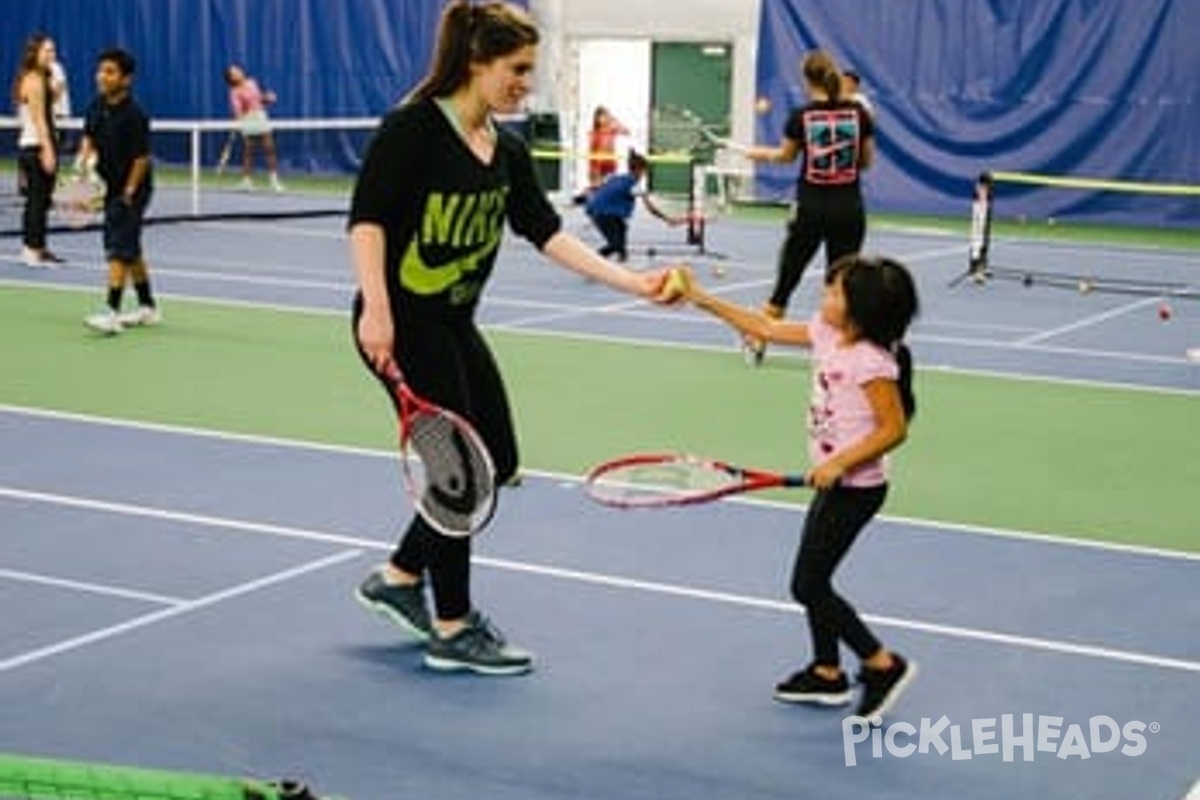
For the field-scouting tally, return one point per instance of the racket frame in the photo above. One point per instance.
(412, 405)
(79, 201)
(226, 152)
(742, 480)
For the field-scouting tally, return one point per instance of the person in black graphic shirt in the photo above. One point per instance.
(835, 136)
(438, 183)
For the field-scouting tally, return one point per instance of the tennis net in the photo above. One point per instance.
(1037, 262)
(24, 778)
(199, 171)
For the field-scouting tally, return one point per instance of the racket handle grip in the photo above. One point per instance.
(795, 481)
(393, 375)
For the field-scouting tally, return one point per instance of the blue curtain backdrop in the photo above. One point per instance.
(1086, 88)
(323, 58)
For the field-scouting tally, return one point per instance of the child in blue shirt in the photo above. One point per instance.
(611, 205)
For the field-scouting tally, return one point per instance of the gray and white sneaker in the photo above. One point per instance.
(142, 316)
(480, 648)
(403, 605)
(105, 321)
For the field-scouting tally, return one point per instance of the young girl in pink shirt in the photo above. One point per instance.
(860, 406)
(248, 103)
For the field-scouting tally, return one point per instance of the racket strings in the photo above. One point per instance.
(457, 482)
(646, 483)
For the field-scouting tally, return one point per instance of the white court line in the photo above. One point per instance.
(516, 327)
(950, 631)
(179, 609)
(1028, 345)
(629, 309)
(1087, 322)
(89, 587)
(1194, 792)
(1075, 541)
(654, 587)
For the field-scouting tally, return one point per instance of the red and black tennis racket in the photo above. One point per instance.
(656, 480)
(451, 480)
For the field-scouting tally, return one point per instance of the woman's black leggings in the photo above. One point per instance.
(39, 189)
(834, 520)
(842, 230)
(449, 363)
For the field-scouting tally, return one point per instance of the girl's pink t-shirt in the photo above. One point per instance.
(839, 412)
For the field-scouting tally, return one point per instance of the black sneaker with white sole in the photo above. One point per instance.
(882, 687)
(404, 605)
(478, 647)
(806, 686)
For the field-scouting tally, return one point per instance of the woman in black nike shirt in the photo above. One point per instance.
(835, 136)
(438, 184)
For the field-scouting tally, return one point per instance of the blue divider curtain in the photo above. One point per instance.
(323, 58)
(1095, 88)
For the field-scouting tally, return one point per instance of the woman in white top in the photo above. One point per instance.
(37, 159)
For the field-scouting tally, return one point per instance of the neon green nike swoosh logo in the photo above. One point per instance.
(420, 278)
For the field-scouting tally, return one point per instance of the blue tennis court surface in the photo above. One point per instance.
(184, 599)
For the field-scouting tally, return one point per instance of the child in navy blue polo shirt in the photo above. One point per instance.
(116, 132)
(611, 205)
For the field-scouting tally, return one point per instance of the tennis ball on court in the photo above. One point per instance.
(762, 105)
(718, 271)
(1085, 286)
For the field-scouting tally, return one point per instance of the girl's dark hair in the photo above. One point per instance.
(881, 302)
(820, 70)
(472, 33)
(29, 57)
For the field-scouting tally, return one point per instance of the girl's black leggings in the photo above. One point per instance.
(834, 520)
(449, 363)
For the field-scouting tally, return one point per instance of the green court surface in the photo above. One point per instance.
(1093, 462)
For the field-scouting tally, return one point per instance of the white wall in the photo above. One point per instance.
(614, 73)
(680, 20)
(565, 22)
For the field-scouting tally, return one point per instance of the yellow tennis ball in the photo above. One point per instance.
(762, 105)
(675, 286)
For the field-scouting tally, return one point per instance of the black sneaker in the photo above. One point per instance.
(403, 605)
(806, 686)
(479, 648)
(881, 687)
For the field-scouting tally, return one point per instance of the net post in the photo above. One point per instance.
(981, 225)
(695, 204)
(194, 138)
(981, 231)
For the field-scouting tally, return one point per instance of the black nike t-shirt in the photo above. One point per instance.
(443, 210)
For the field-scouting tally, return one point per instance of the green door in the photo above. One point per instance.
(689, 93)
